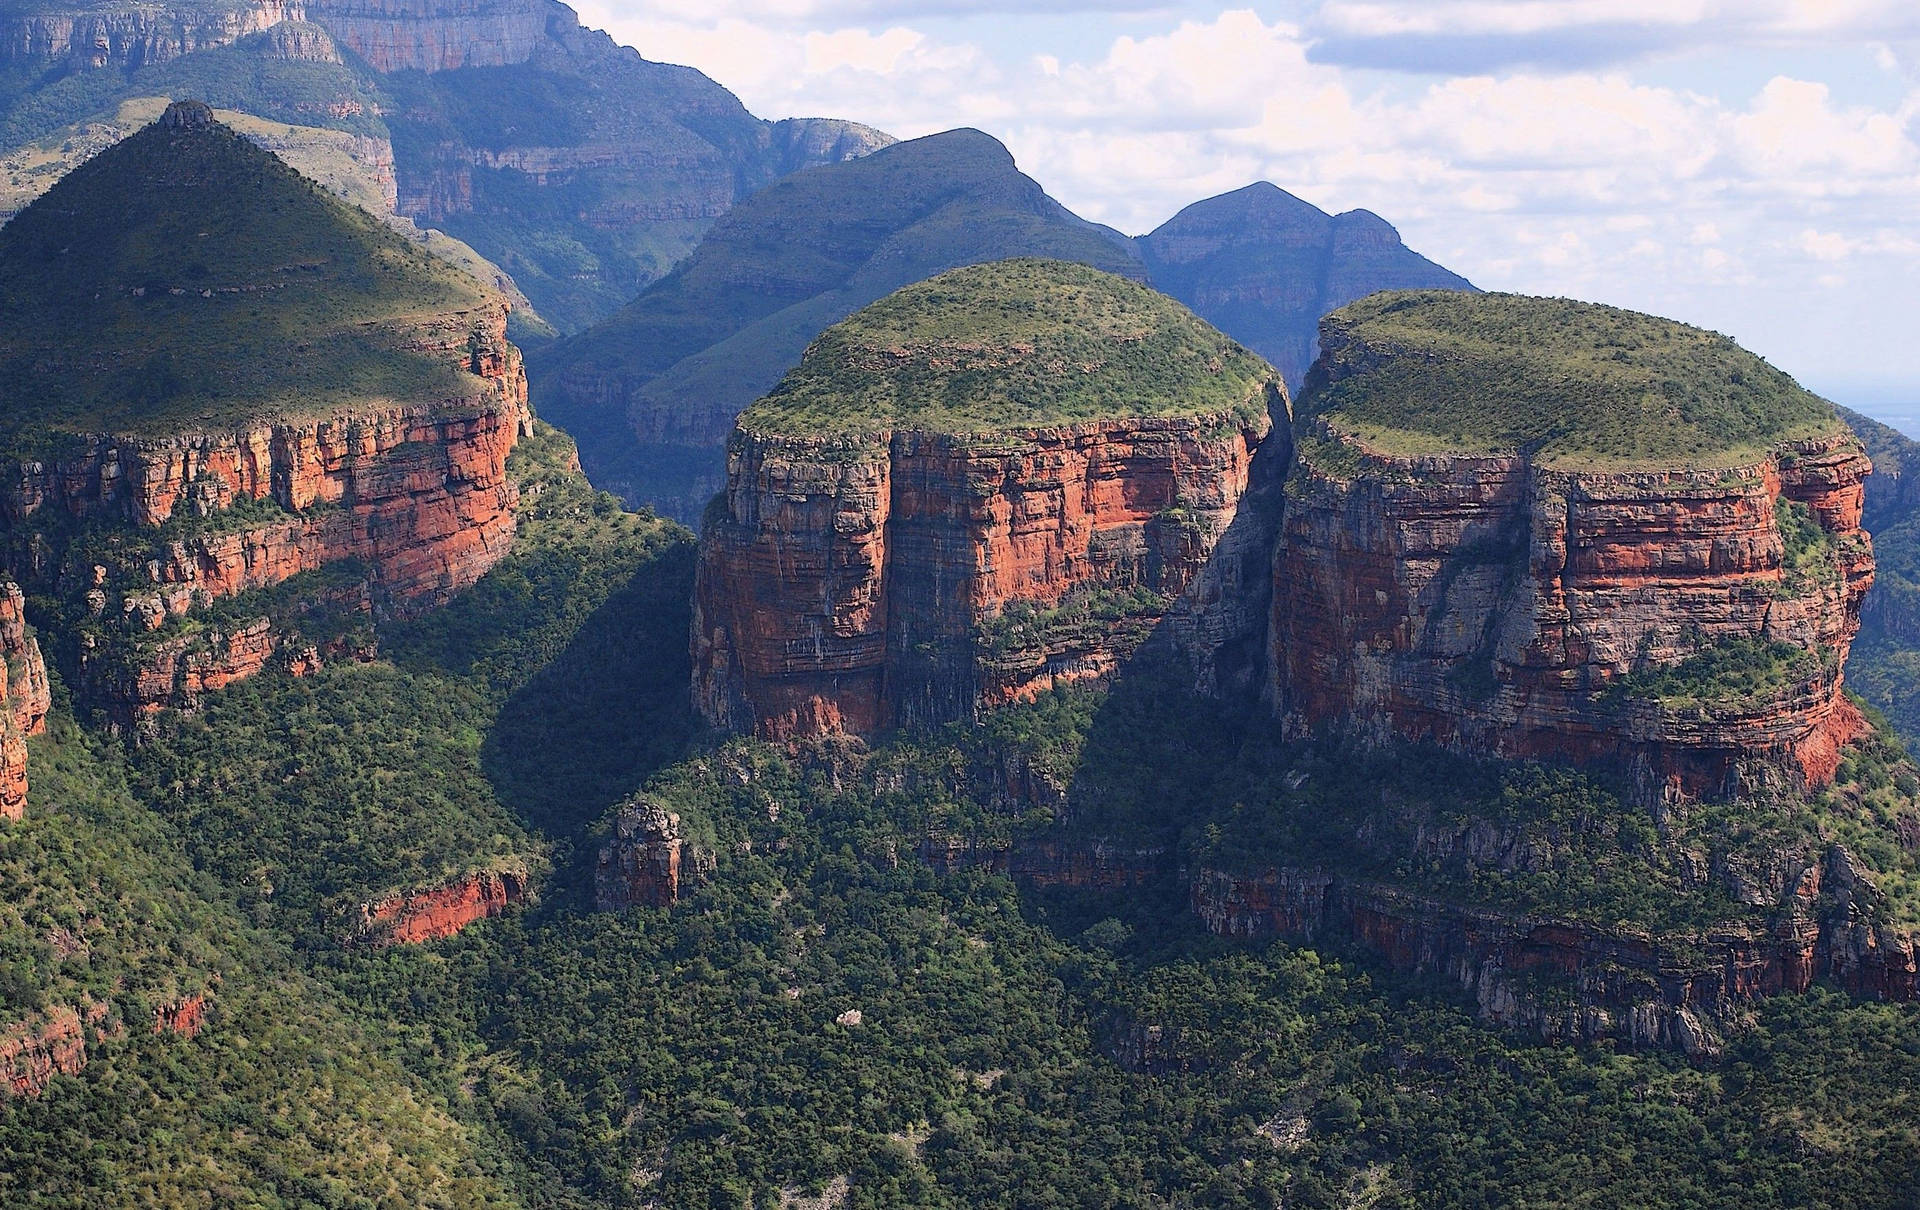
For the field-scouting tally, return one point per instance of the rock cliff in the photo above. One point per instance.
(1009, 503)
(1683, 615)
(1679, 991)
(433, 913)
(640, 865)
(437, 35)
(135, 36)
(351, 425)
(25, 697)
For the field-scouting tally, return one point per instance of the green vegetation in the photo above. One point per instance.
(784, 265)
(1013, 1049)
(1743, 672)
(1418, 372)
(1014, 344)
(187, 278)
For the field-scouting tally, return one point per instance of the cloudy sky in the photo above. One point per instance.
(1749, 165)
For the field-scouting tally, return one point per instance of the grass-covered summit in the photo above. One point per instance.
(186, 278)
(1425, 372)
(1009, 345)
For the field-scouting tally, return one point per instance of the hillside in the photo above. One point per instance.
(1570, 383)
(1264, 267)
(1886, 662)
(653, 390)
(576, 166)
(162, 285)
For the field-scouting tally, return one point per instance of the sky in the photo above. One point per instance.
(1751, 166)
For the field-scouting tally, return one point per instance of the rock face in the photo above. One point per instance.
(1672, 993)
(152, 499)
(1517, 604)
(412, 917)
(49, 1043)
(918, 576)
(25, 696)
(640, 867)
(436, 35)
(136, 36)
(938, 562)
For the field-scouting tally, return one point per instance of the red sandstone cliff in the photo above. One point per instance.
(417, 494)
(24, 699)
(1489, 602)
(913, 577)
(411, 917)
(641, 865)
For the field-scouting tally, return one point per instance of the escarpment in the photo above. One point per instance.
(320, 401)
(1014, 497)
(1658, 569)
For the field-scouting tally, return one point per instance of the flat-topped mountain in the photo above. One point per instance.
(1543, 528)
(1264, 266)
(221, 379)
(990, 483)
(653, 391)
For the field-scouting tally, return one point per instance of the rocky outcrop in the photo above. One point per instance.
(411, 917)
(849, 586)
(48, 1043)
(1490, 603)
(438, 35)
(25, 697)
(132, 37)
(183, 1015)
(1679, 992)
(640, 866)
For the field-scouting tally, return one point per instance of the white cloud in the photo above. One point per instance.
(1590, 182)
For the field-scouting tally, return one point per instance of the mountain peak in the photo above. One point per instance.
(185, 278)
(187, 115)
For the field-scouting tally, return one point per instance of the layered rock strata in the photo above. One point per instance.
(912, 577)
(134, 36)
(1489, 603)
(437, 35)
(641, 865)
(1677, 993)
(412, 917)
(25, 697)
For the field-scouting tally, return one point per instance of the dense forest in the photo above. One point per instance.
(827, 1017)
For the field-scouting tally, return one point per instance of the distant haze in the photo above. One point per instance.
(1751, 166)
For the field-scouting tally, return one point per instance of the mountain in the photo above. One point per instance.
(652, 391)
(675, 366)
(241, 414)
(1886, 666)
(578, 167)
(1264, 266)
(864, 570)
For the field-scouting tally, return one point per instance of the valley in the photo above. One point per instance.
(899, 695)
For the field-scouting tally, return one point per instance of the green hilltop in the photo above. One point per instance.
(1428, 372)
(1012, 344)
(186, 278)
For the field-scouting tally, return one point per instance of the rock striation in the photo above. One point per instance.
(1681, 992)
(958, 553)
(640, 866)
(164, 510)
(1682, 616)
(25, 697)
(434, 913)
(135, 36)
(436, 35)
